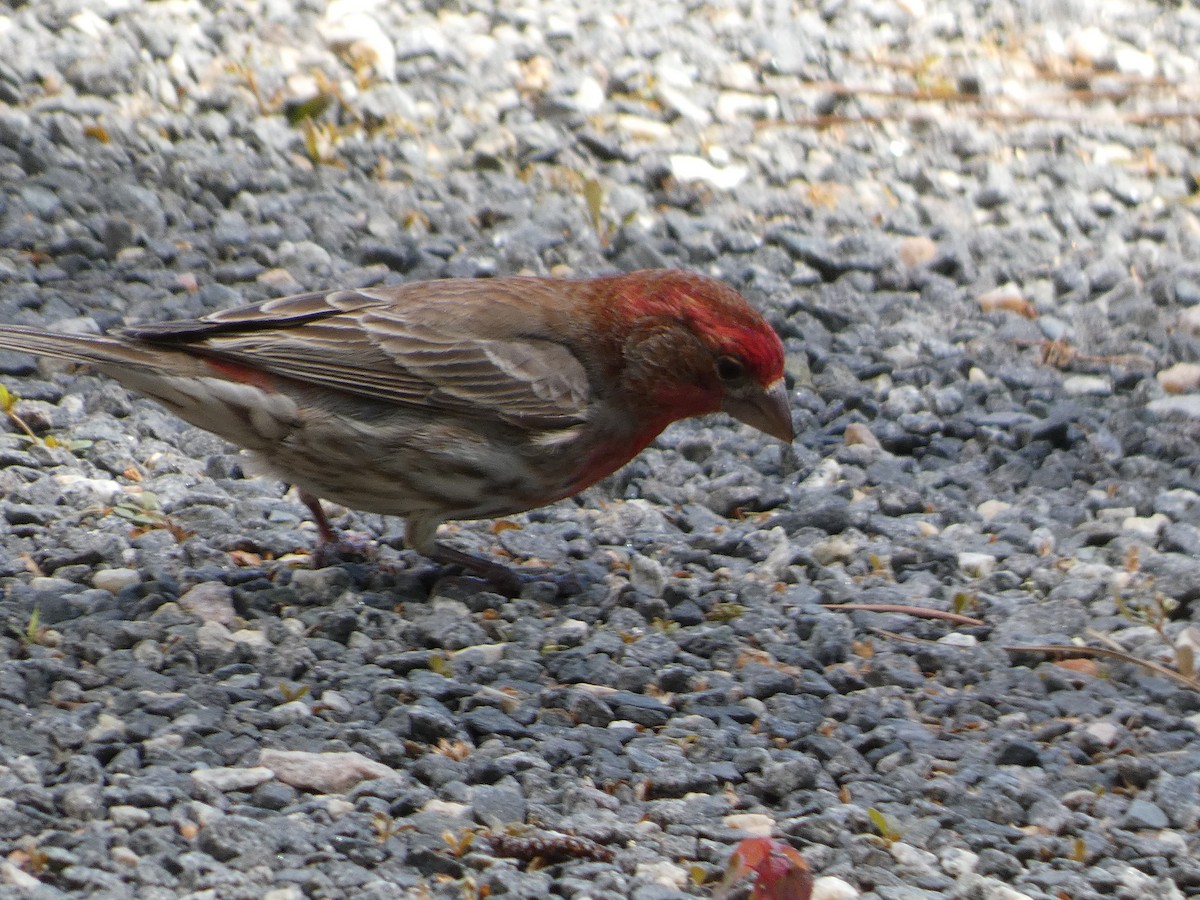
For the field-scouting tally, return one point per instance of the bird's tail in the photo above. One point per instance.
(93, 349)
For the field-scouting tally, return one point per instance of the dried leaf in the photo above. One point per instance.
(1007, 298)
(1082, 666)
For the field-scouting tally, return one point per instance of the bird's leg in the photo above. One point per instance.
(419, 534)
(498, 575)
(331, 544)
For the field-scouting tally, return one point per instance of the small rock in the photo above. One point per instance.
(647, 575)
(323, 773)
(497, 806)
(756, 824)
(667, 874)
(1180, 378)
(128, 817)
(695, 168)
(21, 880)
(115, 580)
(977, 565)
(213, 637)
(1146, 526)
(1185, 405)
(989, 509)
(827, 887)
(735, 105)
(1104, 733)
(233, 778)
(210, 601)
(916, 251)
(958, 639)
(858, 433)
(251, 637)
(1088, 385)
(1143, 814)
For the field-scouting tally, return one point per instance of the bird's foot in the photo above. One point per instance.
(503, 579)
(346, 546)
(334, 546)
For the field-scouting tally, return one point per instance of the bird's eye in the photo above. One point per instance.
(730, 368)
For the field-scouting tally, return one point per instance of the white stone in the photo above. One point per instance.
(958, 639)
(210, 601)
(17, 877)
(358, 34)
(735, 105)
(679, 100)
(1132, 61)
(1089, 45)
(213, 636)
(1180, 378)
(335, 702)
(1146, 526)
(251, 637)
(835, 549)
(108, 728)
(1189, 320)
(338, 807)
(323, 773)
(913, 857)
(115, 580)
(1184, 404)
(958, 862)
(233, 778)
(102, 490)
(826, 474)
(481, 654)
(287, 713)
(694, 168)
(642, 128)
(989, 509)
(664, 873)
(589, 96)
(128, 817)
(756, 824)
(1087, 385)
(977, 565)
(446, 808)
(91, 25)
(647, 575)
(827, 887)
(163, 743)
(779, 557)
(1105, 733)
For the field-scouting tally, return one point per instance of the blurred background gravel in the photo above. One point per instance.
(974, 226)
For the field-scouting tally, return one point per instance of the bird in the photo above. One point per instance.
(452, 399)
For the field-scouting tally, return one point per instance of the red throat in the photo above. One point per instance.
(609, 457)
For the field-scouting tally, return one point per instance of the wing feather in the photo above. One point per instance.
(411, 347)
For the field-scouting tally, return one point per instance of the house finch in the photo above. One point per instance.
(456, 399)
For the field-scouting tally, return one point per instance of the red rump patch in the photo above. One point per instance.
(264, 381)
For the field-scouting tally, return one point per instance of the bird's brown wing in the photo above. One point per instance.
(459, 347)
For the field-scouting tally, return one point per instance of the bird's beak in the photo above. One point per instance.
(767, 410)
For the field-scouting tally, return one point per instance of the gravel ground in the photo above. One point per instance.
(972, 222)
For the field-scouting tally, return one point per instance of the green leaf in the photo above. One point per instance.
(886, 829)
(593, 194)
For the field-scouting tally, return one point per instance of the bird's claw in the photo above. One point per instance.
(346, 547)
